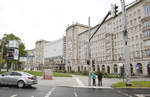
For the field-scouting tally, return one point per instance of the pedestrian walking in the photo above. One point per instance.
(94, 78)
(100, 76)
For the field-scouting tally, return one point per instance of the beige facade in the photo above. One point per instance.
(39, 53)
(72, 41)
(107, 44)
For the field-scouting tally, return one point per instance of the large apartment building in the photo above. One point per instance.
(39, 53)
(107, 44)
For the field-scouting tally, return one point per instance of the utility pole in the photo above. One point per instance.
(89, 54)
(1, 53)
(126, 48)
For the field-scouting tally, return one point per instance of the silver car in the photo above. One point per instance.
(18, 78)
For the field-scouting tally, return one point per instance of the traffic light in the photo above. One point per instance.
(10, 54)
(114, 10)
(88, 61)
(93, 62)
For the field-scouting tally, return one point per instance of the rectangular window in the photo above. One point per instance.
(147, 43)
(147, 10)
(139, 12)
(148, 52)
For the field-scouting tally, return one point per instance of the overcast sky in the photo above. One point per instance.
(32, 20)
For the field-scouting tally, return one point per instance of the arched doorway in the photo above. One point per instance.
(98, 68)
(131, 68)
(139, 68)
(108, 69)
(84, 68)
(81, 68)
(103, 67)
(122, 70)
(78, 68)
(148, 69)
(68, 69)
(115, 68)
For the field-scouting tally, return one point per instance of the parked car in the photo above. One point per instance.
(18, 78)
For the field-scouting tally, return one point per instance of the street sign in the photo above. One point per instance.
(10, 54)
(13, 44)
(31, 56)
(48, 74)
(16, 54)
(23, 59)
(137, 66)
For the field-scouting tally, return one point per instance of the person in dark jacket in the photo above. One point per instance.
(100, 76)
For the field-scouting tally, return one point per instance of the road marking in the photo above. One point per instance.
(32, 96)
(50, 92)
(78, 81)
(75, 94)
(125, 94)
(143, 95)
(14, 95)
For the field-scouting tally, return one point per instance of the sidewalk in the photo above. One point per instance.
(106, 82)
(82, 81)
(58, 81)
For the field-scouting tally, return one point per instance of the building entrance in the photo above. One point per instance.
(108, 69)
(148, 69)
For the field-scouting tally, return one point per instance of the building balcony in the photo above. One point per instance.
(146, 38)
(145, 28)
(146, 47)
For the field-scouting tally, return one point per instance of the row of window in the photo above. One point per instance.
(147, 33)
(146, 24)
(147, 10)
(147, 43)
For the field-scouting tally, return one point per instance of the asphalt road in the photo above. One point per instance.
(47, 91)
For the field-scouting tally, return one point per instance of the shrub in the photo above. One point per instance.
(84, 72)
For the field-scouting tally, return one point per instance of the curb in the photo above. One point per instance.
(88, 87)
(133, 88)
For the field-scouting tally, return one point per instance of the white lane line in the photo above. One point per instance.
(32, 96)
(125, 94)
(14, 95)
(140, 95)
(143, 95)
(75, 94)
(78, 81)
(50, 92)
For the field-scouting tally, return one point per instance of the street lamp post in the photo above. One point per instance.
(126, 49)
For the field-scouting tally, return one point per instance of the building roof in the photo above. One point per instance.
(77, 24)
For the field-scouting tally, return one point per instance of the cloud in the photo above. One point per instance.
(32, 20)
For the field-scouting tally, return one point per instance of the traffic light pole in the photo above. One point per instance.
(126, 49)
(89, 54)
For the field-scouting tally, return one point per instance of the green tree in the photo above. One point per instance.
(22, 52)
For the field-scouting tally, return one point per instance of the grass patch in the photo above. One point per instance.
(36, 73)
(2, 72)
(135, 84)
(61, 74)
